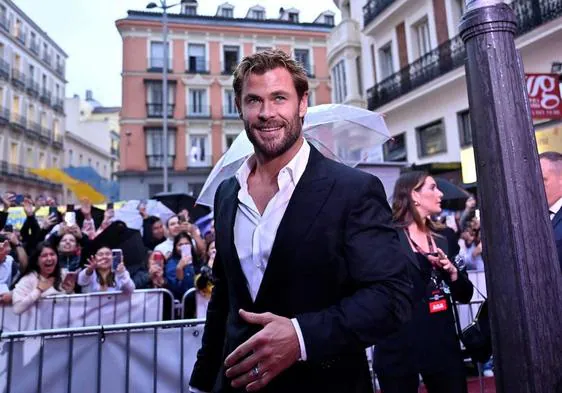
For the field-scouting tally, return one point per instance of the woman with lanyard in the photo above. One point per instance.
(428, 343)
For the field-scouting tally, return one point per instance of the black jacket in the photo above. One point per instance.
(336, 266)
(428, 343)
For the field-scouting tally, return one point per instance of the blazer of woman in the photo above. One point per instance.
(428, 343)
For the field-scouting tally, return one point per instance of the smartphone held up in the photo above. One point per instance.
(117, 258)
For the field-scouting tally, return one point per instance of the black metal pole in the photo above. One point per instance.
(522, 271)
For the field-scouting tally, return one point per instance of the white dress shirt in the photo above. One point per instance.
(554, 208)
(254, 233)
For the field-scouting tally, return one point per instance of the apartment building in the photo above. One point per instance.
(405, 59)
(203, 53)
(32, 88)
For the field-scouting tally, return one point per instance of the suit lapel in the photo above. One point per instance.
(407, 248)
(557, 219)
(307, 200)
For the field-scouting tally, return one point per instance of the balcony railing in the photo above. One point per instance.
(373, 8)
(229, 112)
(451, 54)
(18, 122)
(4, 115)
(157, 110)
(45, 135)
(59, 69)
(20, 36)
(58, 105)
(4, 69)
(47, 58)
(18, 78)
(196, 66)
(34, 46)
(32, 88)
(45, 97)
(57, 141)
(5, 23)
(156, 64)
(33, 129)
(157, 161)
(198, 111)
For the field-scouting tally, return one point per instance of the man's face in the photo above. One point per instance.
(552, 181)
(68, 244)
(158, 230)
(174, 227)
(272, 112)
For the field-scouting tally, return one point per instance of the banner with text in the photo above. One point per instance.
(544, 95)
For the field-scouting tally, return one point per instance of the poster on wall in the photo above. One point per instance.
(544, 95)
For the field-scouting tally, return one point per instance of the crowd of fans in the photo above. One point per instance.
(57, 255)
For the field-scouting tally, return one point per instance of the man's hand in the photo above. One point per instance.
(49, 222)
(8, 200)
(28, 207)
(75, 230)
(266, 354)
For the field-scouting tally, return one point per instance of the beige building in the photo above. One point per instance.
(32, 90)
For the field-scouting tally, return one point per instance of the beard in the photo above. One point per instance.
(273, 148)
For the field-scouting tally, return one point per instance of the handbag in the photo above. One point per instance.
(477, 336)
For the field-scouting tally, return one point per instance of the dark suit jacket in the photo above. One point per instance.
(428, 343)
(557, 225)
(336, 265)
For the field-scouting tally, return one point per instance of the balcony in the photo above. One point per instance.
(18, 122)
(157, 161)
(57, 141)
(451, 54)
(4, 70)
(34, 47)
(229, 112)
(45, 97)
(114, 152)
(18, 79)
(58, 105)
(47, 59)
(195, 65)
(345, 34)
(157, 110)
(156, 64)
(33, 130)
(45, 135)
(32, 88)
(5, 23)
(59, 69)
(20, 36)
(4, 116)
(373, 8)
(198, 112)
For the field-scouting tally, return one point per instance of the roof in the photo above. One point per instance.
(106, 109)
(241, 22)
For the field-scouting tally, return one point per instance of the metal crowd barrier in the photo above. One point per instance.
(145, 357)
(182, 307)
(99, 308)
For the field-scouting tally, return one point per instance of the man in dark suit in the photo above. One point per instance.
(551, 165)
(309, 271)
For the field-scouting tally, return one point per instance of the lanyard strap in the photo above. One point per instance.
(418, 248)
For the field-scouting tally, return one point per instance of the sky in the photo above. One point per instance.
(86, 31)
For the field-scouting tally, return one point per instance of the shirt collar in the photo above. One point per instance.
(557, 205)
(295, 167)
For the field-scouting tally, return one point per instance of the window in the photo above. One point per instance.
(421, 38)
(42, 160)
(97, 166)
(90, 162)
(458, 11)
(105, 170)
(310, 98)
(31, 73)
(229, 104)
(258, 14)
(229, 139)
(395, 148)
(44, 82)
(465, 131)
(55, 162)
(155, 147)
(359, 74)
(154, 99)
(329, 20)
(31, 112)
(14, 153)
(16, 105)
(302, 56)
(57, 91)
(70, 157)
(230, 54)
(262, 48)
(29, 158)
(294, 17)
(80, 160)
(56, 127)
(189, 10)
(227, 13)
(431, 139)
(339, 81)
(196, 59)
(385, 54)
(157, 55)
(199, 151)
(197, 104)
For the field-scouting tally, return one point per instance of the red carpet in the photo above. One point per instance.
(474, 385)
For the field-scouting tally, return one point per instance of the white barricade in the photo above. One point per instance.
(148, 357)
(467, 312)
(91, 309)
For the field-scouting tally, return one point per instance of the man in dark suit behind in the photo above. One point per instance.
(551, 166)
(309, 271)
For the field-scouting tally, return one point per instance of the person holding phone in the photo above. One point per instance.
(428, 343)
(106, 272)
(180, 271)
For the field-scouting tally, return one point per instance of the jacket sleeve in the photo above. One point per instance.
(25, 294)
(380, 299)
(3, 219)
(124, 282)
(462, 289)
(209, 357)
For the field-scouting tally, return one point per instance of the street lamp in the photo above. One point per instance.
(164, 9)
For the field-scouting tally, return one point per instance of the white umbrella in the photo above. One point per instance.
(343, 133)
(130, 215)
